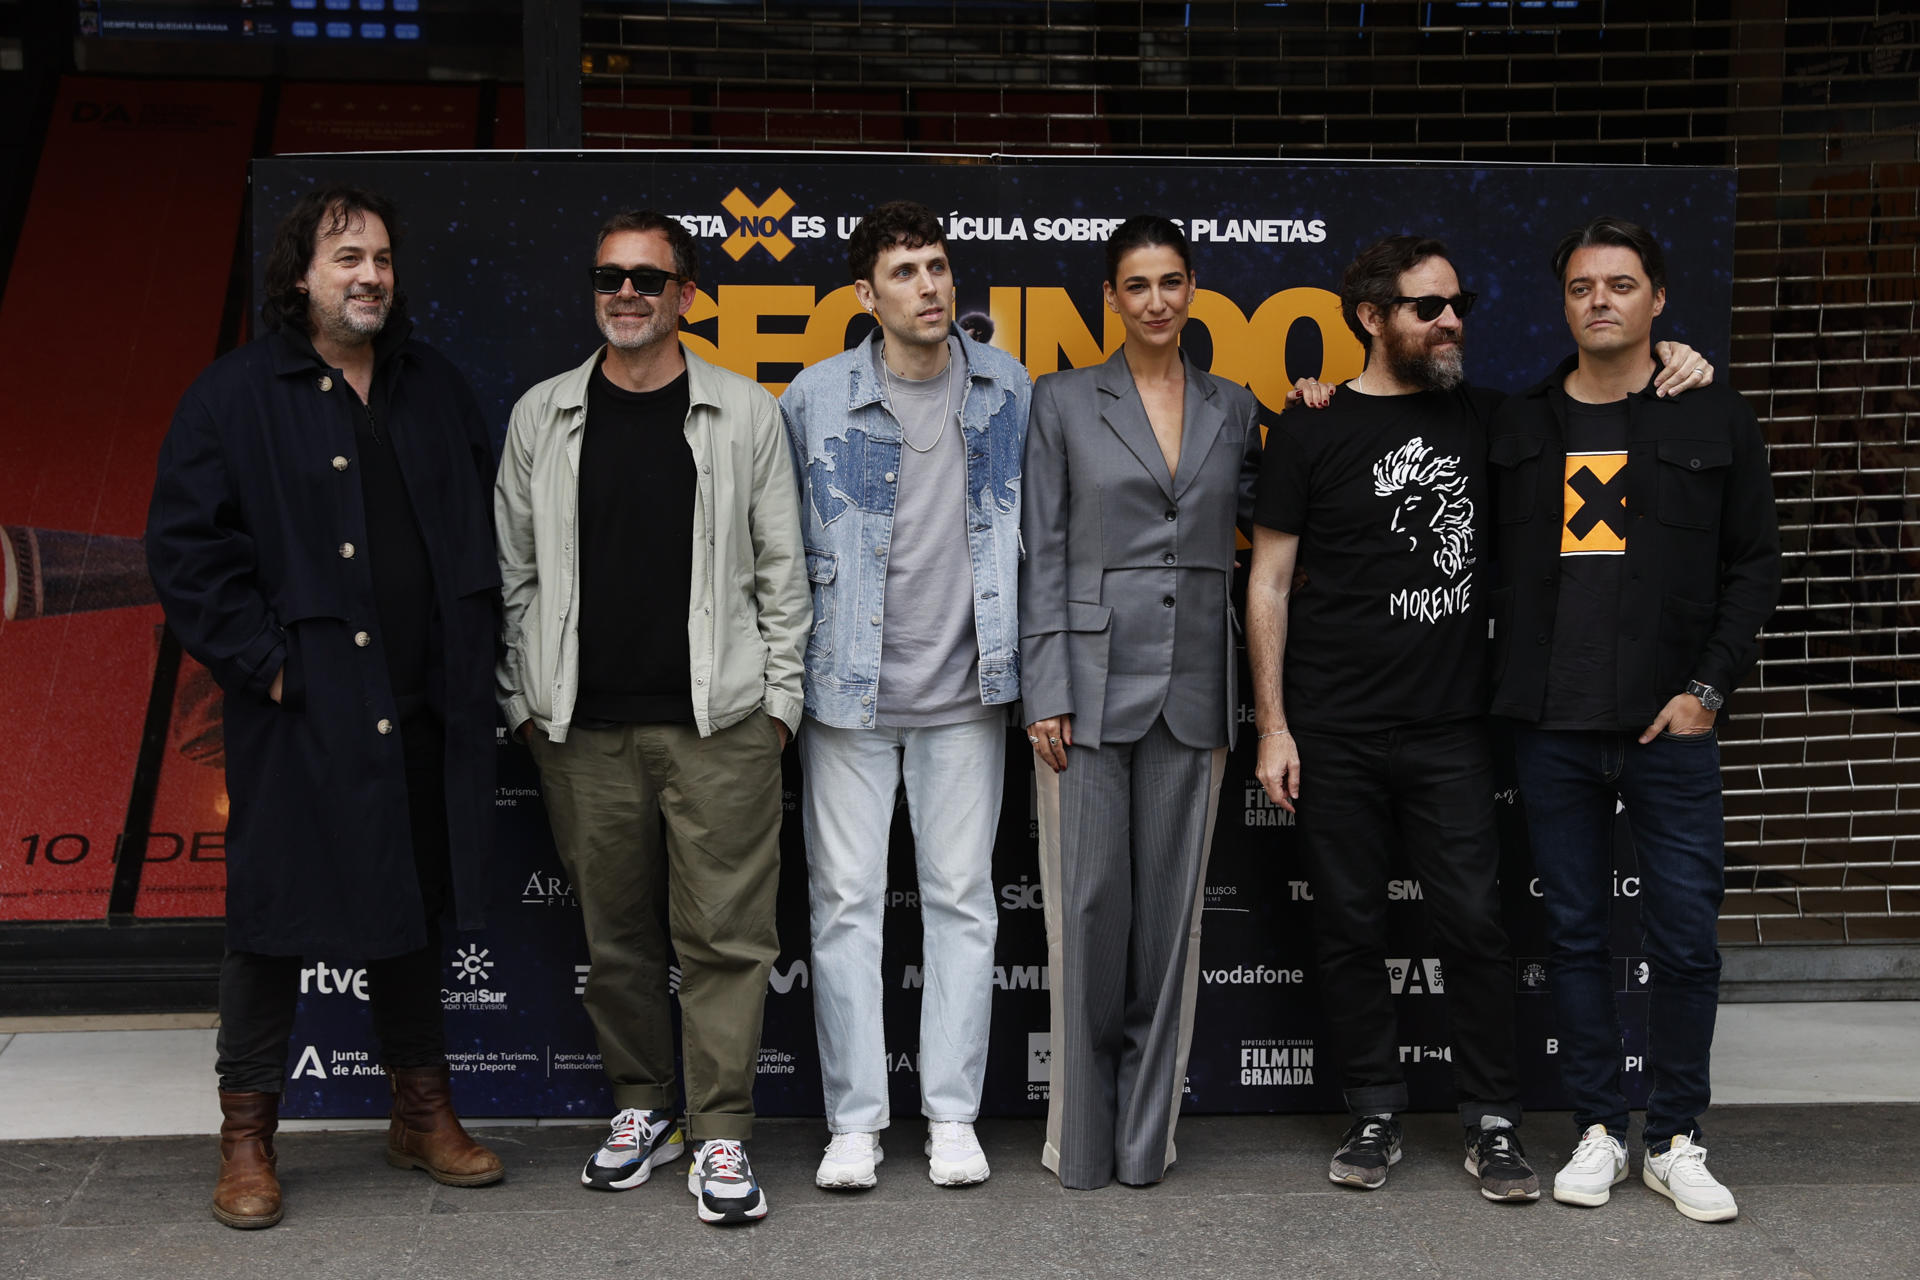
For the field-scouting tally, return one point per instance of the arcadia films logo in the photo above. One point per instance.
(543, 889)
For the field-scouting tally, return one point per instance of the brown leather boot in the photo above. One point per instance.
(248, 1194)
(425, 1134)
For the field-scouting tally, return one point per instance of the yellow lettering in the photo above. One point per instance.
(1054, 329)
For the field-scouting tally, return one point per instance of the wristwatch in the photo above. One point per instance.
(1710, 698)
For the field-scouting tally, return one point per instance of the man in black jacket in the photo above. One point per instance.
(321, 539)
(1639, 555)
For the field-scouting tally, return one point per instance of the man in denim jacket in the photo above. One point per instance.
(908, 452)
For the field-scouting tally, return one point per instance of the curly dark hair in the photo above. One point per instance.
(323, 212)
(905, 224)
(1607, 229)
(1374, 276)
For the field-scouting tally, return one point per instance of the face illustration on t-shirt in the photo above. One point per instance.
(1432, 511)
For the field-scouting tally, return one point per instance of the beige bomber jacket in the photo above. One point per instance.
(750, 610)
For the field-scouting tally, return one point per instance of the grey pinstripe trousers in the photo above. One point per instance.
(1124, 838)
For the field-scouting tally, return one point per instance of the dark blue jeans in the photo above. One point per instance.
(1670, 791)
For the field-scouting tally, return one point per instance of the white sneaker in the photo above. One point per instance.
(1681, 1176)
(849, 1161)
(954, 1157)
(1597, 1166)
(723, 1184)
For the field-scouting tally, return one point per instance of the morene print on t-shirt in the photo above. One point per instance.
(1431, 510)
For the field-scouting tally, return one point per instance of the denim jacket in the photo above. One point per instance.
(846, 451)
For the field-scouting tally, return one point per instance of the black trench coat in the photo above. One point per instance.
(251, 537)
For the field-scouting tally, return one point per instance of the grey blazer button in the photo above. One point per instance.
(1169, 557)
(362, 639)
(1168, 602)
(346, 551)
(385, 726)
(339, 463)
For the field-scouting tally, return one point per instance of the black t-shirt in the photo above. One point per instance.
(1388, 495)
(1582, 666)
(635, 542)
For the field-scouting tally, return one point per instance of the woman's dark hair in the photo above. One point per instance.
(686, 255)
(1374, 277)
(905, 224)
(1145, 231)
(1607, 229)
(325, 212)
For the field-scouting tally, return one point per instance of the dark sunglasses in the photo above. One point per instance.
(647, 281)
(1429, 306)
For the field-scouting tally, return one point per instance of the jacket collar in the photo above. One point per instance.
(863, 388)
(1127, 416)
(1556, 382)
(703, 381)
(293, 351)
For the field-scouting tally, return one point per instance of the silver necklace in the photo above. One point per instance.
(947, 402)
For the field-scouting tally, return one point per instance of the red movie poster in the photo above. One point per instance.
(113, 307)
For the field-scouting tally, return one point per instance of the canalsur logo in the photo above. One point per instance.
(473, 965)
(470, 964)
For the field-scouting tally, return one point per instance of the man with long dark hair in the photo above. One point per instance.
(321, 541)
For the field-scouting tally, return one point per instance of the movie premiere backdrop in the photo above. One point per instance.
(495, 266)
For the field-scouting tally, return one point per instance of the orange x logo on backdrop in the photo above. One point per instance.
(759, 224)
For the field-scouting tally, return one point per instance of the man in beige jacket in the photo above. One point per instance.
(680, 491)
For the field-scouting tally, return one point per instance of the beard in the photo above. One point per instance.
(656, 326)
(1420, 361)
(348, 324)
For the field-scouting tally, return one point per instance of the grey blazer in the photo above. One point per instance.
(1124, 610)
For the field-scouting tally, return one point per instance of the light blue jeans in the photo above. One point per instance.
(954, 777)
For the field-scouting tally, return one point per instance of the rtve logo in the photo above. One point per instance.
(758, 224)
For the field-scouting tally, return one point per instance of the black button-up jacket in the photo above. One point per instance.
(1702, 567)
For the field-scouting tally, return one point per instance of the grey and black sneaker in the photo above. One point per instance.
(1368, 1148)
(640, 1142)
(722, 1182)
(1494, 1156)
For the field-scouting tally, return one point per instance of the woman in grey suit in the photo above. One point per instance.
(1136, 473)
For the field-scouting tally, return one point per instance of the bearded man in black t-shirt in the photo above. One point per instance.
(1373, 674)
(1373, 670)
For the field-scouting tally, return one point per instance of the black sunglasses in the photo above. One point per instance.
(647, 281)
(1429, 306)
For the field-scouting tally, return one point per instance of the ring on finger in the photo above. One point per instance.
(1035, 741)
(1054, 741)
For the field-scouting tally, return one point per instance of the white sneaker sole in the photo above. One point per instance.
(1588, 1199)
(964, 1174)
(849, 1177)
(665, 1155)
(730, 1215)
(1698, 1214)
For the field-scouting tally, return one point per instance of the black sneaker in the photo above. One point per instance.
(1494, 1156)
(723, 1185)
(1367, 1149)
(639, 1143)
